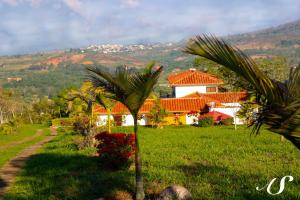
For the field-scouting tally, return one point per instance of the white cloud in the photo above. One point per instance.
(33, 3)
(131, 3)
(10, 2)
(74, 5)
(58, 24)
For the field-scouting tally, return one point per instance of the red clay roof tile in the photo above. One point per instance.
(193, 77)
(223, 97)
(180, 105)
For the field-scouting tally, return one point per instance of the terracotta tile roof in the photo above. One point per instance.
(216, 115)
(181, 105)
(228, 97)
(193, 77)
(223, 97)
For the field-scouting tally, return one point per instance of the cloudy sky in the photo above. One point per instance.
(39, 25)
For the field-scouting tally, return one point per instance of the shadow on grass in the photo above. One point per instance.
(2, 184)
(68, 176)
(226, 184)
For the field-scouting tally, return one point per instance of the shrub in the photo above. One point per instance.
(119, 195)
(6, 129)
(115, 150)
(63, 122)
(227, 122)
(47, 122)
(82, 125)
(44, 119)
(11, 126)
(205, 121)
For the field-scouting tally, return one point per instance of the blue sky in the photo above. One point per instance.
(40, 25)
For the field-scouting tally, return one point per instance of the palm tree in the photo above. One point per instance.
(280, 102)
(131, 89)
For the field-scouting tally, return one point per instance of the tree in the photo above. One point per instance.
(63, 106)
(131, 89)
(86, 97)
(157, 113)
(279, 101)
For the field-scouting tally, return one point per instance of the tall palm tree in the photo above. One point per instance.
(131, 89)
(280, 102)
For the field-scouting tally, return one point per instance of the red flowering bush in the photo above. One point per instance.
(116, 149)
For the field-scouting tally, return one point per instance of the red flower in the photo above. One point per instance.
(116, 148)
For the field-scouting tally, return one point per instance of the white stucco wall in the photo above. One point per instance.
(127, 120)
(191, 119)
(181, 91)
(235, 104)
(102, 120)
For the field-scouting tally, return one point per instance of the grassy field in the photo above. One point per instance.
(24, 132)
(213, 163)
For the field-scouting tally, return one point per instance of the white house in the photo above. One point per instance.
(194, 93)
(191, 81)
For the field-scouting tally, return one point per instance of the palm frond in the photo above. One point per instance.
(293, 83)
(106, 100)
(279, 102)
(113, 84)
(234, 59)
(141, 85)
(131, 89)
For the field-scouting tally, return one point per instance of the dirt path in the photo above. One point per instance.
(12, 144)
(9, 171)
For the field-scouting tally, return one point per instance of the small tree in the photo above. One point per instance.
(86, 96)
(157, 113)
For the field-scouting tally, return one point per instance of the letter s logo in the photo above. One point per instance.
(282, 185)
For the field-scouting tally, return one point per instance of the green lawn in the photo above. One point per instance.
(24, 132)
(213, 163)
(21, 133)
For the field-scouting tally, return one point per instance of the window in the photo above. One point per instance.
(211, 89)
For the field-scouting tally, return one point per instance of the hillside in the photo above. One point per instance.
(48, 73)
(280, 40)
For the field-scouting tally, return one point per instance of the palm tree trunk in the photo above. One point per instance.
(30, 118)
(108, 120)
(235, 125)
(1, 117)
(140, 195)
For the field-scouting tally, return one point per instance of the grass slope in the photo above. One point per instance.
(213, 163)
(25, 131)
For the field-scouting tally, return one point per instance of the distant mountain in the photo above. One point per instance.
(48, 73)
(285, 35)
(281, 40)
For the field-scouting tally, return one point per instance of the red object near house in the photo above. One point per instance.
(217, 116)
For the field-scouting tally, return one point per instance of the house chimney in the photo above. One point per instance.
(211, 105)
(192, 69)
